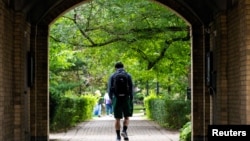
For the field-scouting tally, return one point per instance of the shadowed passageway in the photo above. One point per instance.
(102, 129)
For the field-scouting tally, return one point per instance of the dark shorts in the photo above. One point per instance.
(122, 107)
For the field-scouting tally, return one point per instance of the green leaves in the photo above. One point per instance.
(152, 42)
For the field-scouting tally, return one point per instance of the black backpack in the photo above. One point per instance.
(120, 83)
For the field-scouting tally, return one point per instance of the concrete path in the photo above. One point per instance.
(102, 129)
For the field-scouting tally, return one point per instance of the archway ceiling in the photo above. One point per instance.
(203, 9)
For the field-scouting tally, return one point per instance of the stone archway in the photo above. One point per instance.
(39, 118)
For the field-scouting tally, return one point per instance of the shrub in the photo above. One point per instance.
(167, 113)
(148, 103)
(72, 110)
(185, 132)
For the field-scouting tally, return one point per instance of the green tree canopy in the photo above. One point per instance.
(151, 40)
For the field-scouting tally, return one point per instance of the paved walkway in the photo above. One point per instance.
(102, 129)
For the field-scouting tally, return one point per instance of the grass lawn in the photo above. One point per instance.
(138, 108)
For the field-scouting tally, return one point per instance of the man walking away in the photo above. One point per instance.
(120, 90)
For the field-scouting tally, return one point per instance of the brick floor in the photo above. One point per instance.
(102, 129)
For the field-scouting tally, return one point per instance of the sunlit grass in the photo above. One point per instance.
(138, 108)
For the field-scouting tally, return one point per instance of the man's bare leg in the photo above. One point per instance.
(118, 127)
(125, 127)
(126, 121)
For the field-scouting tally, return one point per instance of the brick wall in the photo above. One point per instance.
(246, 50)
(233, 68)
(24, 110)
(242, 43)
(218, 45)
(231, 102)
(21, 91)
(14, 94)
(39, 106)
(198, 82)
(6, 73)
(238, 70)
(30, 107)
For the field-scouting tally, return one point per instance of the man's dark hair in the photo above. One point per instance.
(119, 65)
